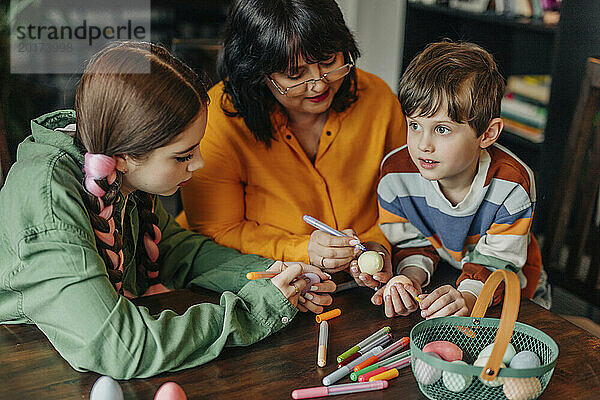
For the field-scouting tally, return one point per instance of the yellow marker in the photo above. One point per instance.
(323, 337)
(260, 275)
(328, 315)
(385, 376)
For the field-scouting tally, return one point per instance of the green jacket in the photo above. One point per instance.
(51, 273)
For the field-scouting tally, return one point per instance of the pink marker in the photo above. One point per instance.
(322, 391)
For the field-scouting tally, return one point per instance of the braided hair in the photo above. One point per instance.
(132, 99)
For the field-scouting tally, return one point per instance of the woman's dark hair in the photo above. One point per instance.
(267, 36)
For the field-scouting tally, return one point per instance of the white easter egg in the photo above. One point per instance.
(425, 373)
(522, 388)
(525, 359)
(106, 388)
(170, 391)
(311, 278)
(481, 362)
(508, 354)
(456, 382)
(396, 279)
(370, 262)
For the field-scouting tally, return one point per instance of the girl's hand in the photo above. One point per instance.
(398, 298)
(446, 300)
(373, 281)
(332, 253)
(287, 282)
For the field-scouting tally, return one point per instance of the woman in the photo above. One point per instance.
(294, 128)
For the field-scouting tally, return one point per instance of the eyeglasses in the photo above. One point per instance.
(328, 77)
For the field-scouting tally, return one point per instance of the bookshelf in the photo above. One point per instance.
(522, 46)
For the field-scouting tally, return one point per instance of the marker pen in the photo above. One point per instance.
(360, 345)
(321, 391)
(326, 228)
(322, 350)
(261, 274)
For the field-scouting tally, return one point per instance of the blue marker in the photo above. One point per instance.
(326, 228)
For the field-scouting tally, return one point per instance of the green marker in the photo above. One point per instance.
(383, 331)
(354, 376)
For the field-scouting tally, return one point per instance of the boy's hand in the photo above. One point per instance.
(373, 281)
(398, 298)
(287, 282)
(332, 253)
(445, 301)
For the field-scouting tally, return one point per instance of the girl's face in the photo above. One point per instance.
(318, 97)
(167, 168)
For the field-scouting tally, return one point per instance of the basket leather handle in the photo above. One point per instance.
(510, 311)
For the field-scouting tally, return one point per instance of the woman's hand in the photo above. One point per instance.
(398, 298)
(291, 286)
(446, 300)
(373, 281)
(332, 253)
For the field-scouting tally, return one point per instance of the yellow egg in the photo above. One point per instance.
(370, 262)
(522, 388)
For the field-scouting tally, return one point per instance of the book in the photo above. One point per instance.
(536, 87)
(535, 135)
(531, 114)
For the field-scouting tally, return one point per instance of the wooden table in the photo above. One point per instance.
(31, 369)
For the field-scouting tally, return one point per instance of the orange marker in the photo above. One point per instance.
(260, 275)
(328, 315)
(385, 376)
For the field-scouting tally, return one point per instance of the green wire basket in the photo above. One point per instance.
(435, 376)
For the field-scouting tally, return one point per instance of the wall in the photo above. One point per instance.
(378, 26)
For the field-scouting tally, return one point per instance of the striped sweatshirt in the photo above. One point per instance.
(489, 229)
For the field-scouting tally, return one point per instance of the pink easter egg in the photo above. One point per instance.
(447, 350)
(170, 391)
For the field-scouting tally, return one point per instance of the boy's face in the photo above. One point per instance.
(443, 150)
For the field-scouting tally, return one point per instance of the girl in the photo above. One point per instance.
(83, 230)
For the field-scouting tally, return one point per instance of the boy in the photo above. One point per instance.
(452, 192)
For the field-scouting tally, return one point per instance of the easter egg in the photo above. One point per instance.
(396, 279)
(310, 278)
(170, 391)
(508, 354)
(456, 382)
(448, 351)
(106, 388)
(525, 359)
(370, 262)
(522, 388)
(481, 362)
(425, 373)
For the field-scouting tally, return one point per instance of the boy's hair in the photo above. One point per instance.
(122, 111)
(267, 36)
(463, 75)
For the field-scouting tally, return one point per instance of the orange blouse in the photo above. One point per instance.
(252, 198)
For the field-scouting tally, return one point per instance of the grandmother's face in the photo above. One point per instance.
(318, 97)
